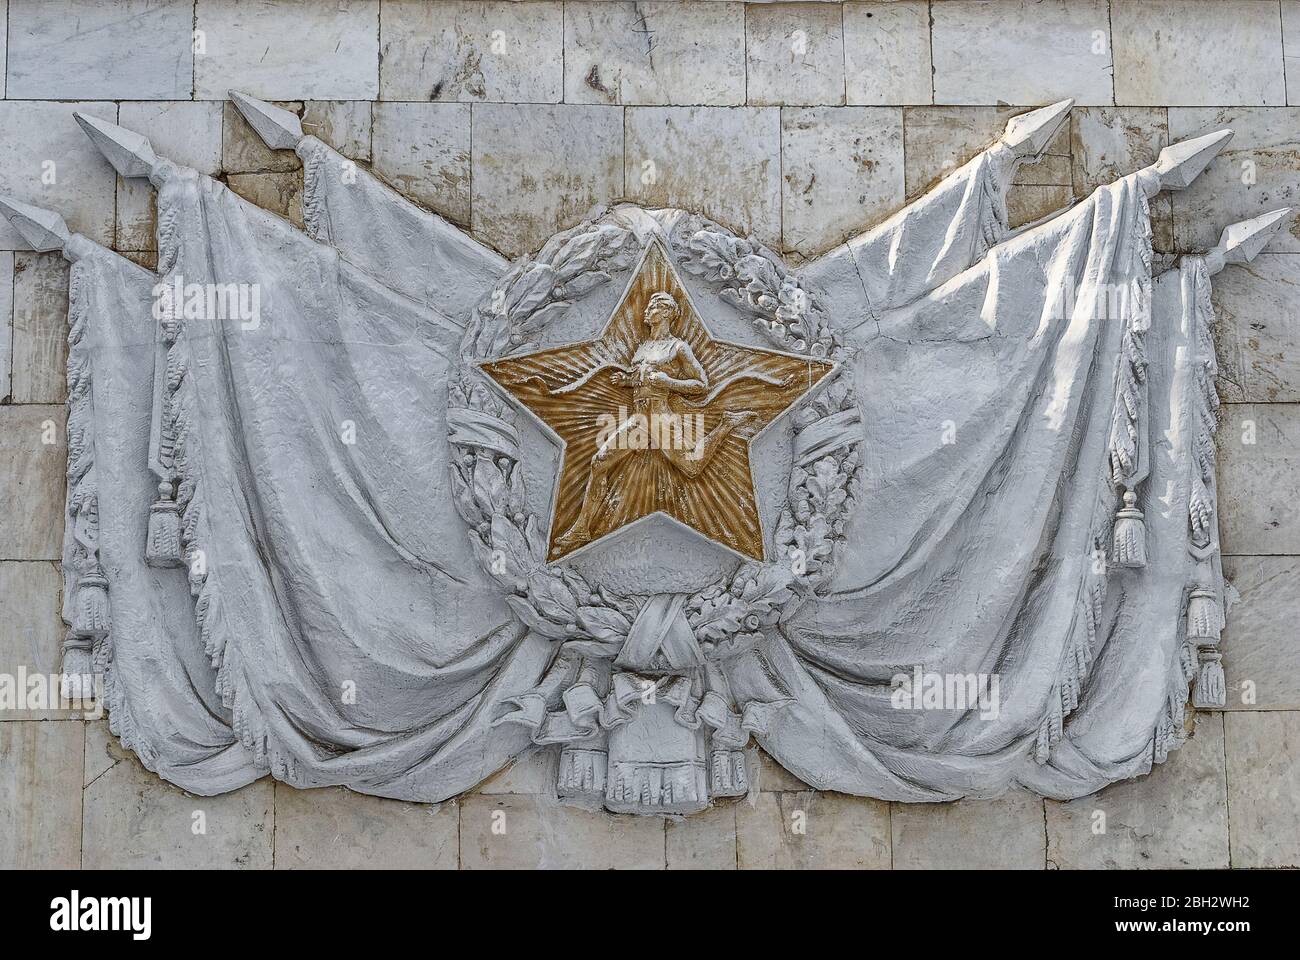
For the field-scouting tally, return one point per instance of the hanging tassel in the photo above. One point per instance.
(727, 774)
(77, 681)
(90, 612)
(163, 547)
(1130, 534)
(1204, 621)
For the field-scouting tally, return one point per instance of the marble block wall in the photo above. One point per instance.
(801, 123)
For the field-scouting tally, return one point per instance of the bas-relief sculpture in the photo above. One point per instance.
(930, 519)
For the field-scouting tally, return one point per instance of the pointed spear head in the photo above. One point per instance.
(278, 128)
(130, 153)
(1240, 242)
(1181, 163)
(1029, 134)
(43, 229)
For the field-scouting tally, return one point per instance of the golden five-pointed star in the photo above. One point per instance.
(656, 416)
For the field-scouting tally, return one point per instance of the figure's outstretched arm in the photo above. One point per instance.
(941, 233)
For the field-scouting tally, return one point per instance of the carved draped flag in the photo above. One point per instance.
(366, 505)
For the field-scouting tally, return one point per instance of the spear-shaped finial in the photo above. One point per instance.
(44, 229)
(278, 128)
(130, 153)
(1181, 163)
(1240, 242)
(1029, 133)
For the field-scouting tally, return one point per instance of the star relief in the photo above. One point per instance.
(656, 416)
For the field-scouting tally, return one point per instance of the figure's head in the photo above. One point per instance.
(661, 312)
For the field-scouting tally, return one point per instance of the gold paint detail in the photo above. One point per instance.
(656, 416)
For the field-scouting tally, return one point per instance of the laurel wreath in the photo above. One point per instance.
(555, 601)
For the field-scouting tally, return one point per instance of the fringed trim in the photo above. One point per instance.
(1126, 454)
(181, 421)
(994, 223)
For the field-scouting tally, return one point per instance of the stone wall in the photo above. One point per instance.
(802, 123)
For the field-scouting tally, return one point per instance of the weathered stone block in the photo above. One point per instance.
(280, 193)
(516, 832)
(6, 324)
(1194, 52)
(1263, 783)
(1259, 463)
(812, 831)
(533, 773)
(344, 124)
(1174, 818)
(422, 149)
(794, 53)
(1256, 173)
(134, 820)
(843, 172)
(1002, 834)
(40, 342)
(654, 53)
(46, 160)
(887, 53)
(1291, 49)
(538, 169)
(1108, 143)
(336, 829)
(705, 841)
(275, 50)
(242, 150)
(721, 161)
(1261, 658)
(40, 794)
(1021, 52)
(31, 632)
(1257, 340)
(33, 463)
(127, 49)
(462, 50)
(774, 778)
(185, 131)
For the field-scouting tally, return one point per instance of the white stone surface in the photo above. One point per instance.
(127, 50)
(4, 45)
(1258, 171)
(1197, 52)
(800, 831)
(706, 841)
(1261, 659)
(335, 829)
(843, 172)
(719, 161)
(527, 832)
(1003, 834)
(46, 160)
(887, 53)
(40, 340)
(322, 51)
(1022, 52)
(1176, 817)
(344, 124)
(654, 53)
(6, 323)
(1253, 518)
(461, 50)
(1291, 49)
(422, 149)
(40, 795)
(1263, 783)
(186, 132)
(132, 820)
(31, 638)
(32, 474)
(539, 169)
(795, 54)
(1257, 338)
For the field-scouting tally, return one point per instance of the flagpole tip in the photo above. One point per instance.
(279, 128)
(129, 152)
(44, 230)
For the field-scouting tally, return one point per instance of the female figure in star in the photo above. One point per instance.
(662, 366)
